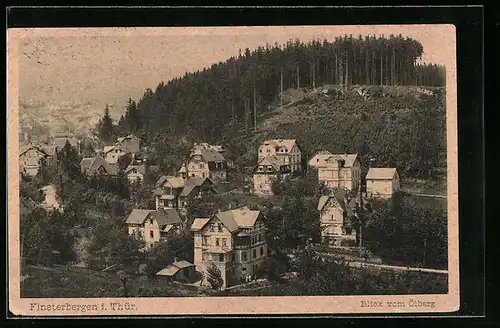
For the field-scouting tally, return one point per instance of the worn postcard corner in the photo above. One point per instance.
(233, 170)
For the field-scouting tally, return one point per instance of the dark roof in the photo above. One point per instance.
(162, 216)
(192, 183)
(91, 165)
(166, 216)
(140, 168)
(37, 148)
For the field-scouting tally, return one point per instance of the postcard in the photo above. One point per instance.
(257, 170)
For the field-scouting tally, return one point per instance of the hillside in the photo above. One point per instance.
(393, 126)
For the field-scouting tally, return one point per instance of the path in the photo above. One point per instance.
(430, 195)
(357, 264)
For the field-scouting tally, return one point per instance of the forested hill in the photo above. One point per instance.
(224, 102)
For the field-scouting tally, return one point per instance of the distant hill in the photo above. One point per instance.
(37, 118)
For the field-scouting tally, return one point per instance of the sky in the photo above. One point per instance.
(107, 66)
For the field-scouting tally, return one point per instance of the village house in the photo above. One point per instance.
(341, 171)
(206, 162)
(235, 241)
(319, 160)
(382, 182)
(178, 191)
(178, 271)
(60, 138)
(29, 159)
(113, 153)
(286, 150)
(337, 215)
(153, 226)
(136, 171)
(97, 165)
(129, 144)
(268, 170)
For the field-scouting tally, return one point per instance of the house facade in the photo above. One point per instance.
(177, 191)
(285, 150)
(235, 241)
(113, 153)
(135, 172)
(97, 165)
(29, 159)
(267, 170)
(130, 144)
(152, 226)
(382, 182)
(341, 171)
(206, 163)
(336, 219)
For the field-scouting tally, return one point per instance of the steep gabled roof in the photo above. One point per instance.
(138, 216)
(140, 168)
(92, 166)
(211, 155)
(287, 144)
(174, 182)
(379, 173)
(238, 218)
(322, 155)
(37, 148)
(272, 161)
(167, 216)
(199, 223)
(338, 196)
(193, 182)
(164, 217)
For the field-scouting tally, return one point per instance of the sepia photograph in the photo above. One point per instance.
(270, 169)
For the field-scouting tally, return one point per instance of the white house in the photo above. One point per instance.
(341, 171)
(285, 150)
(382, 182)
(235, 241)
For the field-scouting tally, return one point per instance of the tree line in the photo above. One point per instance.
(245, 84)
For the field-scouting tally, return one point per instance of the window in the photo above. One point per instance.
(212, 227)
(254, 253)
(202, 165)
(224, 242)
(262, 251)
(244, 256)
(260, 150)
(233, 257)
(217, 242)
(317, 160)
(221, 257)
(151, 234)
(259, 238)
(204, 241)
(219, 226)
